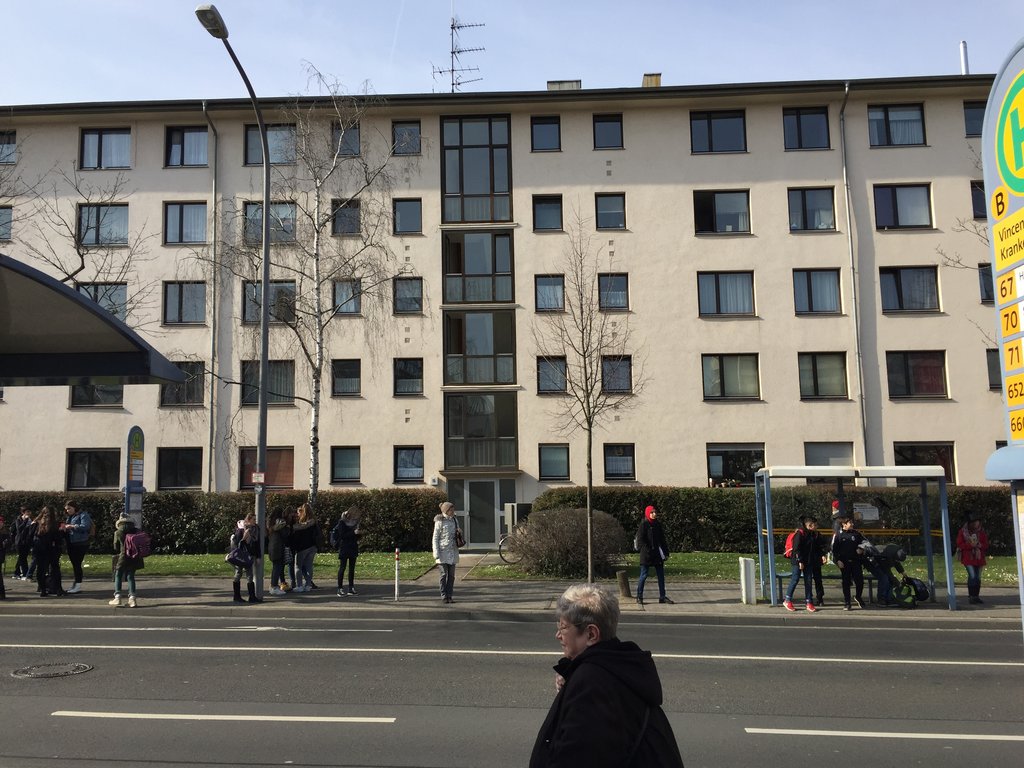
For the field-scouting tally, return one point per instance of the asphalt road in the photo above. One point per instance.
(184, 691)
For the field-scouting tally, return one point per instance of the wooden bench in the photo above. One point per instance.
(782, 581)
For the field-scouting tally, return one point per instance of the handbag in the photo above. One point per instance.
(239, 557)
(460, 540)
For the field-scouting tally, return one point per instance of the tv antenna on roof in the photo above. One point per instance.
(455, 70)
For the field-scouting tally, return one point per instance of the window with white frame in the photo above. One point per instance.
(106, 148)
(725, 293)
(893, 125)
(822, 375)
(730, 377)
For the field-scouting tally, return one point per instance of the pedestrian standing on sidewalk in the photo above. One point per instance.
(77, 527)
(847, 553)
(124, 566)
(972, 541)
(808, 550)
(345, 537)
(304, 537)
(5, 542)
(23, 542)
(246, 536)
(445, 549)
(653, 553)
(277, 534)
(46, 550)
(290, 517)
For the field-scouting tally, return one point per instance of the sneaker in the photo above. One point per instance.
(75, 589)
(667, 600)
(859, 602)
(131, 602)
(788, 605)
(116, 601)
(810, 606)
(819, 602)
(276, 592)
(342, 593)
(310, 586)
(846, 607)
(301, 588)
(351, 590)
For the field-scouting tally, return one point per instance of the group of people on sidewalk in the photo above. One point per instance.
(852, 553)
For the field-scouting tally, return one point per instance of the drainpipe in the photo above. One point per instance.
(855, 304)
(213, 314)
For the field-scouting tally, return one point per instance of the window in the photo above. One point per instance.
(184, 223)
(916, 374)
(345, 377)
(106, 148)
(480, 347)
(346, 138)
(188, 392)
(280, 469)
(477, 267)
(476, 169)
(547, 212)
(827, 455)
(617, 374)
(619, 462)
(345, 219)
(985, 284)
(718, 132)
(902, 206)
(553, 459)
(974, 117)
(93, 470)
(979, 205)
(348, 297)
(113, 297)
(811, 209)
(408, 376)
(103, 224)
(97, 395)
(613, 291)
(896, 125)
(186, 146)
(721, 211)
(730, 376)
(179, 468)
(805, 127)
(545, 134)
(408, 295)
(732, 464)
(184, 302)
(995, 376)
(549, 291)
(909, 289)
(725, 293)
(816, 291)
(282, 301)
(8, 147)
(822, 374)
(409, 464)
(551, 375)
(408, 215)
(280, 382)
(6, 222)
(280, 142)
(611, 211)
(345, 464)
(282, 223)
(480, 431)
(405, 137)
(608, 131)
(918, 454)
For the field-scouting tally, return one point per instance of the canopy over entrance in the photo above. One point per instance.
(843, 476)
(52, 335)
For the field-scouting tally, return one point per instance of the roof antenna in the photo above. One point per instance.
(455, 70)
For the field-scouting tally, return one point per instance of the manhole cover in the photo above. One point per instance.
(60, 669)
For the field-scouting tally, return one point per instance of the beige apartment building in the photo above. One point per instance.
(798, 266)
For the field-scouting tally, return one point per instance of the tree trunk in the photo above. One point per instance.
(590, 507)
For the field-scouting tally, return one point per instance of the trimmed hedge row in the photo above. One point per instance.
(191, 523)
(724, 519)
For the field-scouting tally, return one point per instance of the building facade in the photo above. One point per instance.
(801, 268)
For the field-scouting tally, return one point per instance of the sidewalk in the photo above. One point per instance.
(695, 603)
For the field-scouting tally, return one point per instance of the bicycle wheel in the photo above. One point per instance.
(508, 553)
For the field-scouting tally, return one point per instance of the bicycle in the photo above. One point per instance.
(507, 550)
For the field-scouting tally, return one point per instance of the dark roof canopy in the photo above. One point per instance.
(52, 335)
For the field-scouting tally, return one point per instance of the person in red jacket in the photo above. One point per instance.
(972, 541)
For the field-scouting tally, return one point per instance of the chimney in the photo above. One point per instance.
(565, 85)
(652, 80)
(965, 68)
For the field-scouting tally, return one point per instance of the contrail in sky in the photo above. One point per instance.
(398, 24)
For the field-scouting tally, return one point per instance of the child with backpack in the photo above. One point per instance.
(807, 549)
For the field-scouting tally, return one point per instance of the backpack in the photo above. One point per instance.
(137, 545)
(788, 551)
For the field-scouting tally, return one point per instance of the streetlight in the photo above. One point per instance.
(211, 19)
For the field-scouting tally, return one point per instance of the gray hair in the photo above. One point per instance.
(583, 604)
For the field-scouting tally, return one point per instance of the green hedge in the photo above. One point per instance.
(724, 519)
(193, 523)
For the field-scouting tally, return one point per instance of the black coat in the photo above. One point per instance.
(345, 538)
(597, 717)
(809, 546)
(651, 538)
(845, 546)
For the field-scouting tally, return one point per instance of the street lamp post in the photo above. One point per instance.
(211, 19)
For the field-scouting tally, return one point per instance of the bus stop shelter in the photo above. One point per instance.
(844, 476)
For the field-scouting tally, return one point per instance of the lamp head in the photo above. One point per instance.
(210, 18)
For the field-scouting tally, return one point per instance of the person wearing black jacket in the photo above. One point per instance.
(607, 709)
(808, 552)
(46, 546)
(653, 552)
(848, 555)
(23, 542)
(345, 536)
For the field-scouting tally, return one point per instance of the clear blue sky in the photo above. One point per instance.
(111, 50)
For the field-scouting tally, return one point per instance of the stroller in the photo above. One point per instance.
(906, 590)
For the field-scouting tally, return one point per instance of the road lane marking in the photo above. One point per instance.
(887, 734)
(488, 652)
(240, 718)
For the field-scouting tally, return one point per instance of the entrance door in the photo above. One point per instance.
(483, 517)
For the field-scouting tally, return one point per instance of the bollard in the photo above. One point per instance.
(747, 595)
(623, 584)
(397, 558)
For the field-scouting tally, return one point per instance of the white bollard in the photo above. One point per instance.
(747, 594)
(396, 573)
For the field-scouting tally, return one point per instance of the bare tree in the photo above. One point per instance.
(604, 372)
